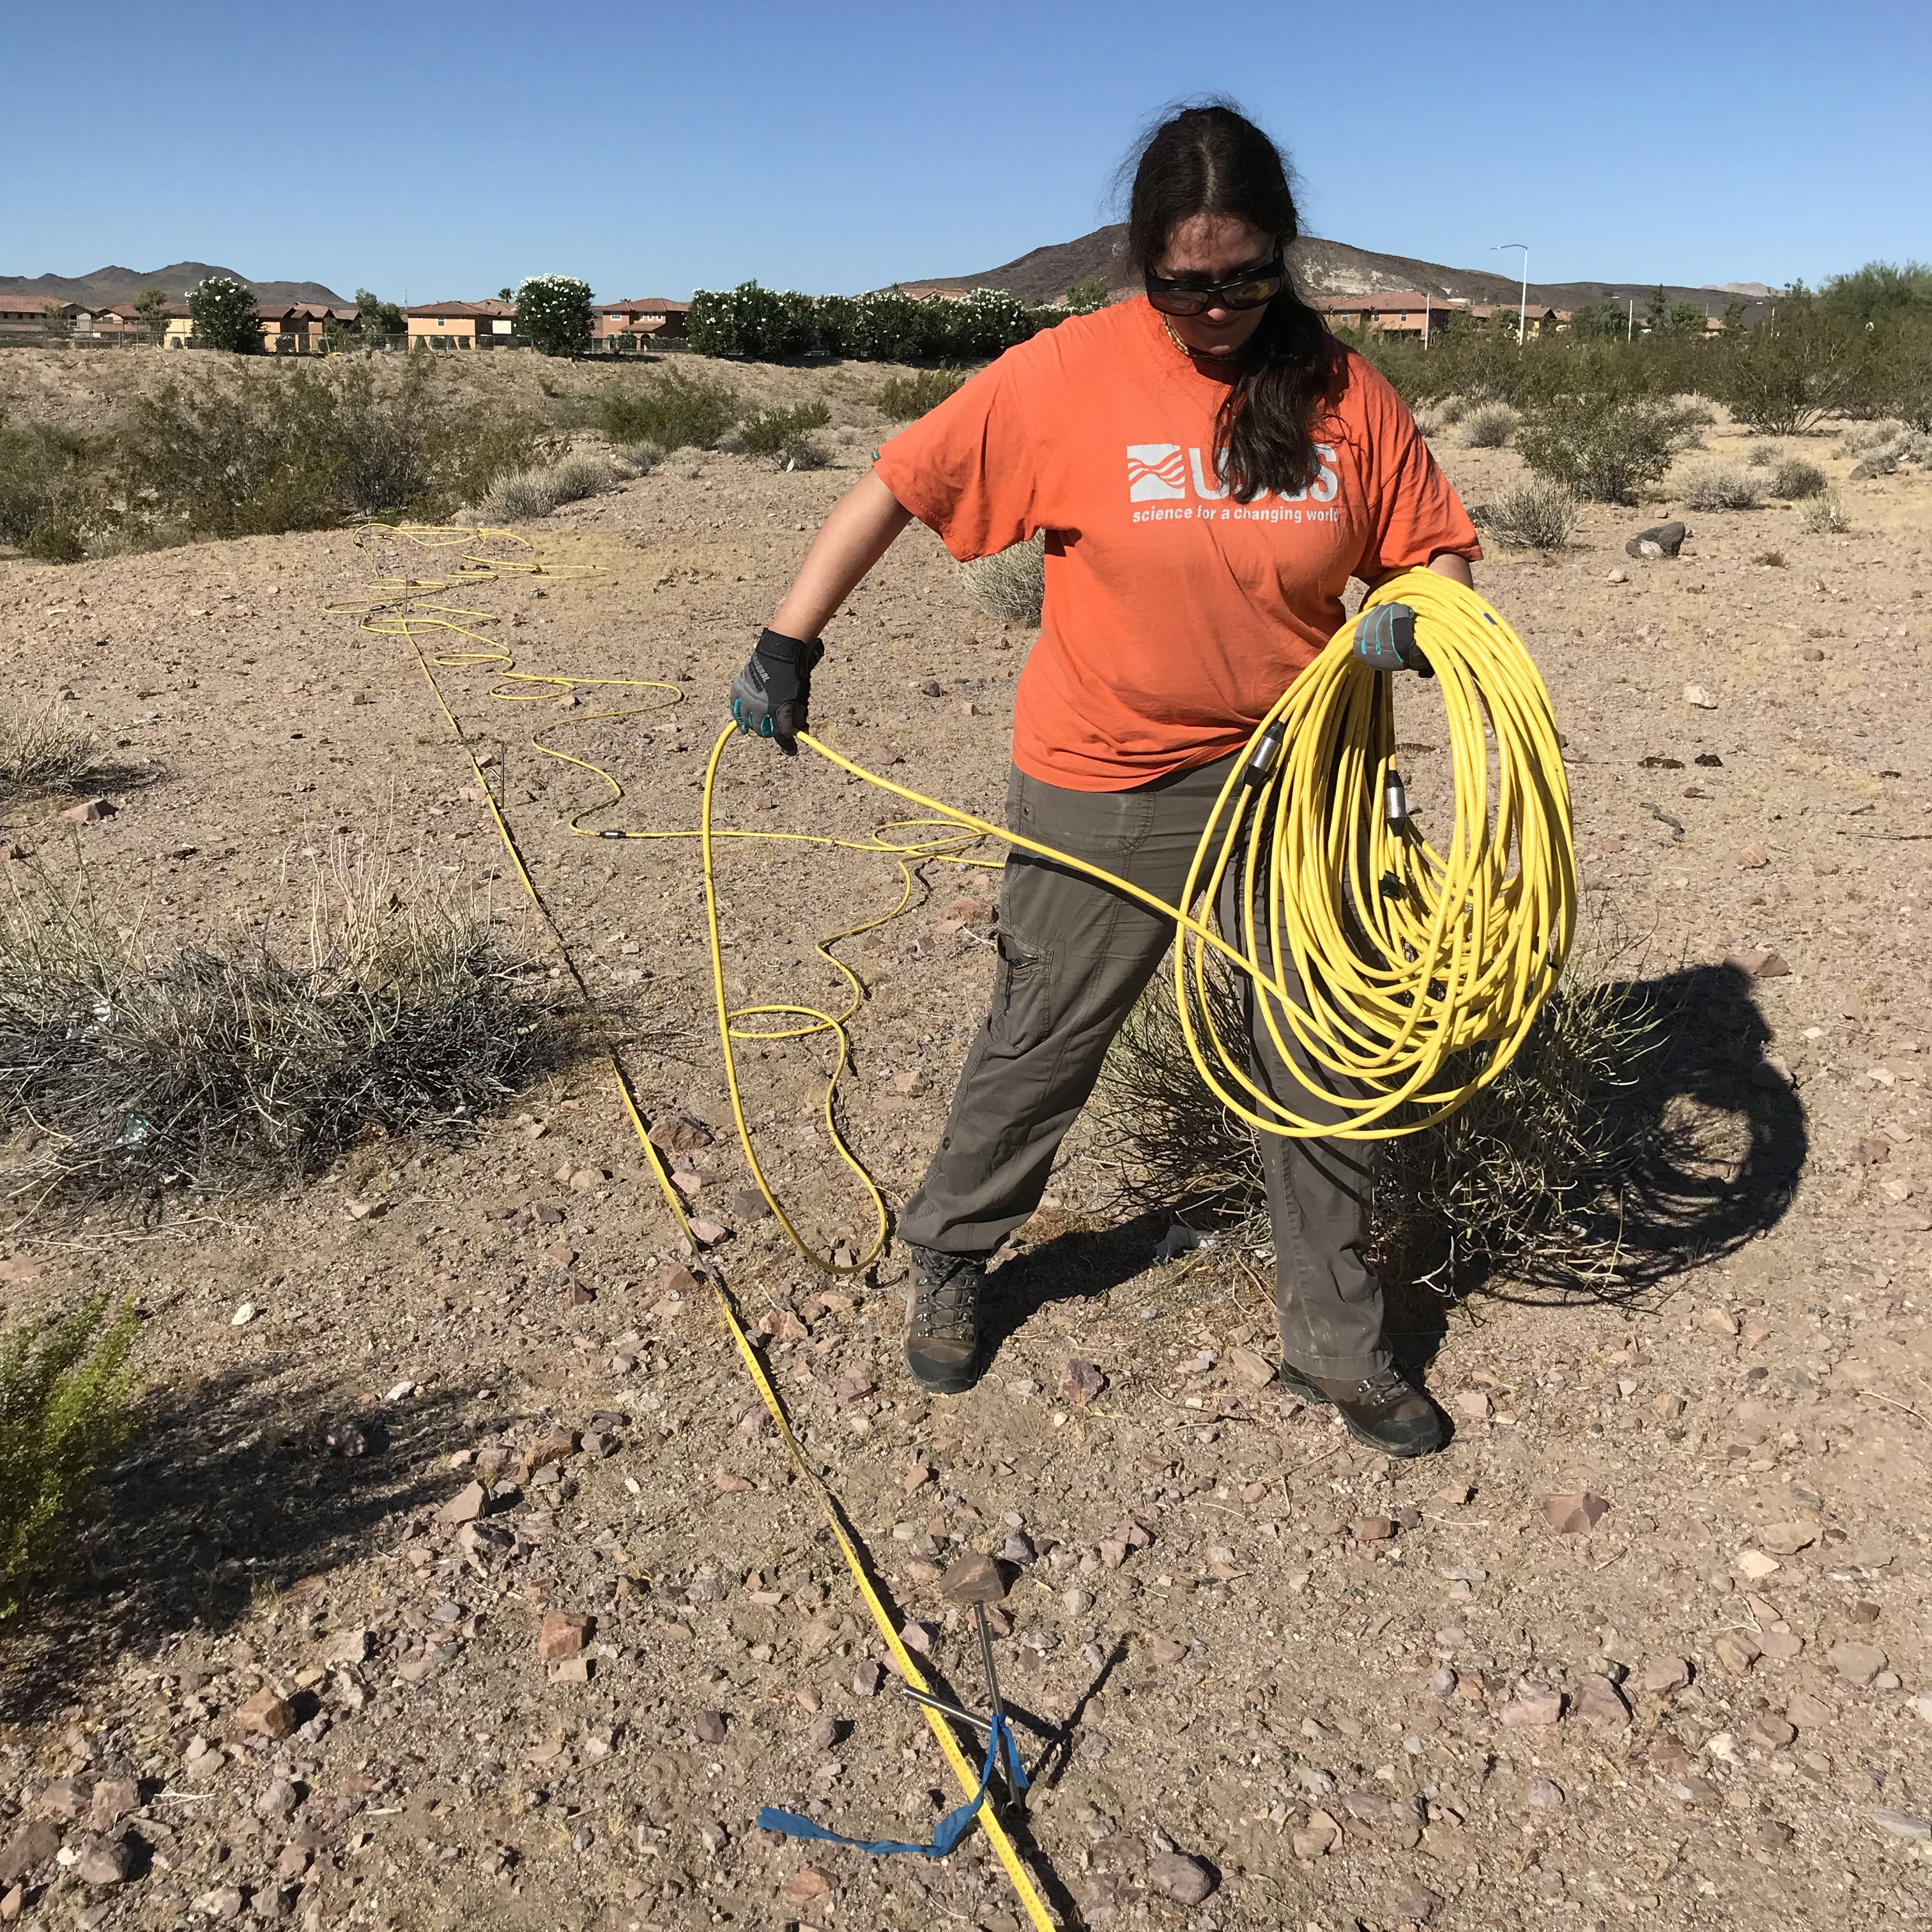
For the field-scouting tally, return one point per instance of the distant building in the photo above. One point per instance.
(297, 329)
(1403, 312)
(639, 317)
(459, 325)
(29, 315)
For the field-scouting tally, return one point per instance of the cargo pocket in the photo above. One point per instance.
(1022, 1014)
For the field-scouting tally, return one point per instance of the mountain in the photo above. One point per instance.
(105, 286)
(1322, 268)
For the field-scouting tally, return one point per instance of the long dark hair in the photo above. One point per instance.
(1212, 160)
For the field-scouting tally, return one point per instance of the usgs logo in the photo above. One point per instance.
(1159, 472)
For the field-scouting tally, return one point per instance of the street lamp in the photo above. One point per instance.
(1522, 312)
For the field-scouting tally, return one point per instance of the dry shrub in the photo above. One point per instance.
(1535, 515)
(1452, 410)
(1824, 517)
(119, 1071)
(1506, 1181)
(1762, 455)
(43, 751)
(65, 1416)
(1721, 490)
(1012, 586)
(536, 493)
(674, 411)
(1794, 478)
(785, 436)
(1863, 438)
(903, 398)
(1489, 427)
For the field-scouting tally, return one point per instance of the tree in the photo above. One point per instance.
(1881, 291)
(1605, 321)
(223, 313)
(553, 314)
(1084, 297)
(375, 317)
(56, 325)
(506, 295)
(1796, 366)
(150, 307)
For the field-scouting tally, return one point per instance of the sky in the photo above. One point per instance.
(435, 153)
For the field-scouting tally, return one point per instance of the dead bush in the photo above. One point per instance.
(1012, 587)
(44, 752)
(1535, 515)
(210, 1071)
(1489, 427)
(1506, 1181)
(1721, 490)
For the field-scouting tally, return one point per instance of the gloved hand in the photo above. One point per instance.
(1385, 641)
(770, 696)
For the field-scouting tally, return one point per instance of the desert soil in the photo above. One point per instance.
(1355, 1693)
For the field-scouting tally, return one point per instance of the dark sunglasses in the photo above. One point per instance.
(1249, 289)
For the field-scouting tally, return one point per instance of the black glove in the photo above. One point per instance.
(769, 697)
(1385, 641)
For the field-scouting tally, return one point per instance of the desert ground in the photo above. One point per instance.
(297, 1672)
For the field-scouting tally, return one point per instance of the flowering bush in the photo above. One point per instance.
(756, 324)
(223, 313)
(553, 314)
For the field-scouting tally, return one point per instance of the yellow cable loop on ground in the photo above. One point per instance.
(386, 612)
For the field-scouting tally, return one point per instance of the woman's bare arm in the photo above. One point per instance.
(858, 532)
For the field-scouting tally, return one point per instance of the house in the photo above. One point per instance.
(30, 315)
(297, 328)
(640, 316)
(1407, 312)
(124, 323)
(459, 325)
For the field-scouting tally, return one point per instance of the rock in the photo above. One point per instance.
(1076, 1602)
(554, 1445)
(1811, 654)
(709, 1727)
(679, 1133)
(1755, 857)
(465, 1506)
(1251, 1366)
(1755, 1564)
(1809, 1713)
(1373, 1528)
(279, 1799)
(1696, 695)
(1442, 1682)
(91, 811)
(1922, 1705)
(267, 1715)
(973, 1578)
(1600, 1704)
(1668, 1408)
(114, 1799)
(1643, 547)
(1787, 1539)
(224, 1901)
(826, 1733)
(1782, 1645)
(65, 1798)
(1323, 1834)
(294, 1863)
(563, 1634)
(804, 1884)
(345, 1439)
(1418, 1906)
(1668, 538)
(1185, 1880)
(1472, 1404)
(1856, 1663)
(1769, 1732)
(1080, 1382)
(1573, 1514)
(1545, 1794)
(1668, 1758)
(1903, 1824)
(30, 1847)
(1618, 576)
(244, 1314)
(1019, 1548)
(1735, 1652)
(1166, 1650)
(1534, 1708)
(107, 1862)
(1718, 1321)
(916, 1636)
(866, 1679)
(1759, 964)
(1663, 1675)
(13, 1904)
(706, 1234)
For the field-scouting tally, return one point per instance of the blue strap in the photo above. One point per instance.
(952, 1827)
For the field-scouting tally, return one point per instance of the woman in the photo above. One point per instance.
(1210, 468)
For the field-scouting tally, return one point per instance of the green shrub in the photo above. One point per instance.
(1795, 478)
(1881, 292)
(65, 1416)
(224, 315)
(50, 503)
(1012, 586)
(674, 411)
(553, 314)
(904, 398)
(1721, 490)
(783, 434)
(1790, 371)
(1535, 515)
(1489, 427)
(1606, 448)
(1084, 297)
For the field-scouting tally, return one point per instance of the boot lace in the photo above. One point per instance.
(945, 1299)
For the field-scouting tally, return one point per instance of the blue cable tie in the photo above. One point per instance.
(952, 1827)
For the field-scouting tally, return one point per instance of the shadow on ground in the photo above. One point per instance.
(239, 1482)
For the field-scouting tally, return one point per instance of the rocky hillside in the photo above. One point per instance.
(105, 287)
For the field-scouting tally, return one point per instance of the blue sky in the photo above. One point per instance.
(439, 151)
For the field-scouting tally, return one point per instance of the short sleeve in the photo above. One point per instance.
(1414, 513)
(969, 468)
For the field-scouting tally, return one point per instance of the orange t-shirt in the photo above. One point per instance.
(1175, 617)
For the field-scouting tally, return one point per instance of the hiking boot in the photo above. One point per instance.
(943, 1325)
(1384, 1410)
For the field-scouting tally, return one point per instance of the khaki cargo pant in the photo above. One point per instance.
(1074, 956)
